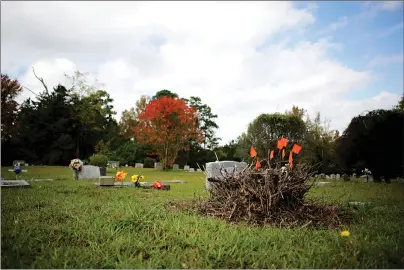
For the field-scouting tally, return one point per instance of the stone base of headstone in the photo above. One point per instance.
(107, 181)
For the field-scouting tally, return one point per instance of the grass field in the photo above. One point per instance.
(74, 224)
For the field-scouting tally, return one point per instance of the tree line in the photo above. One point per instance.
(78, 121)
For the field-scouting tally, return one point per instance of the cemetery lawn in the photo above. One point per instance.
(74, 224)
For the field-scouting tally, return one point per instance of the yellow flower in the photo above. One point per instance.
(120, 176)
(345, 234)
(135, 177)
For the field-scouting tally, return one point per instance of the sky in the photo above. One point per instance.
(242, 58)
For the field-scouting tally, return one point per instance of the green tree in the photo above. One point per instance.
(206, 122)
(165, 93)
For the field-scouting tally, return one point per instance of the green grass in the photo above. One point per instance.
(74, 224)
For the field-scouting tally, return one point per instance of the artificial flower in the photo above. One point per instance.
(120, 176)
(345, 234)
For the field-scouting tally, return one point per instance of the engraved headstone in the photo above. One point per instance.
(14, 183)
(186, 167)
(176, 167)
(217, 169)
(139, 165)
(89, 172)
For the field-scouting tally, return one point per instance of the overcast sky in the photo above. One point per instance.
(241, 58)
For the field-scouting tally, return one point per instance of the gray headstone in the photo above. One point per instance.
(186, 167)
(322, 183)
(327, 177)
(217, 169)
(332, 176)
(176, 167)
(198, 170)
(354, 175)
(113, 164)
(191, 170)
(322, 176)
(89, 172)
(158, 165)
(337, 176)
(18, 162)
(139, 165)
(14, 183)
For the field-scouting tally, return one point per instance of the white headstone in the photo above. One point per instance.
(176, 167)
(217, 169)
(89, 172)
(139, 165)
(186, 167)
(158, 165)
(113, 164)
(191, 170)
(327, 177)
(332, 176)
(337, 176)
(198, 170)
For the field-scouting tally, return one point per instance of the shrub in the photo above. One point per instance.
(98, 160)
(149, 162)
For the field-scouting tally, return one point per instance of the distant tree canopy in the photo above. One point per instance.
(375, 141)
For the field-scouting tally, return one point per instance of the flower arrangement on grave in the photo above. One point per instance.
(120, 176)
(157, 185)
(135, 179)
(17, 169)
(76, 164)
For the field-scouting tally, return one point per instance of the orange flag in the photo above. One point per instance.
(257, 164)
(271, 156)
(291, 159)
(282, 142)
(283, 153)
(253, 153)
(296, 149)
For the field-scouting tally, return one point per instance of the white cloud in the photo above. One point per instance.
(391, 30)
(341, 23)
(205, 49)
(379, 60)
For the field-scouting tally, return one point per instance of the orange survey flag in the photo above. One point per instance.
(257, 164)
(282, 142)
(253, 153)
(296, 149)
(271, 156)
(291, 159)
(283, 153)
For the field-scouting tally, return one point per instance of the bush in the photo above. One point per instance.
(149, 162)
(98, 160)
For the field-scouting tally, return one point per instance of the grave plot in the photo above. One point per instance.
(14, 183)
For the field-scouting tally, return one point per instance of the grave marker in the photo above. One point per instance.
(186, 167)
(139, 165)
(14, 183)
(213, 170)
(176, 167)
(88, 172)
(158, 165)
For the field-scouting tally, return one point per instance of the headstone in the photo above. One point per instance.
(337, 176)
(158, 165)
(358, 203)
(191, 170)
(327, 177)
(322, 176)
(198, 170)
(14, 183)
(186, 168)
(218, 168)
(176, 167)
(89, 172)
(175, 181)
(113, 164)
(18, 163)
(332, 176)
(322, 183)
(139, 165)
(354, 175)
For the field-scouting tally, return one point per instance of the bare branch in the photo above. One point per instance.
(41, 80)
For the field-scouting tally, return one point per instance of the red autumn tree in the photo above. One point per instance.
(168, 125)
